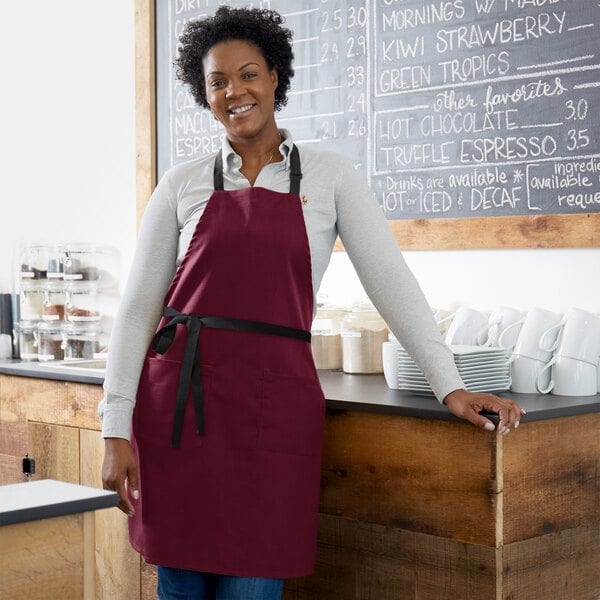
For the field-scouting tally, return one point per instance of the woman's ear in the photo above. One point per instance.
(274, 77)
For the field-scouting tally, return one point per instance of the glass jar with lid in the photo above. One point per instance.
(27, 339)
(31, 300)
(81, 340)
(90, 262)
(326, 339)
(81, 302)
(34, 261)
(50, 341)
(53, 301)
(363, 333)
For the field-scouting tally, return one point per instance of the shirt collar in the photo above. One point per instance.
(233, 161)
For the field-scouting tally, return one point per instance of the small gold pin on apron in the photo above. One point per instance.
(304, 200)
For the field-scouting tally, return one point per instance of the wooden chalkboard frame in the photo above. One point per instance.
(544, 231)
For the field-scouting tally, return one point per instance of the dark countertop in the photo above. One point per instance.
(371, 393)
(47, 498)
(54, 370)
(368, 393)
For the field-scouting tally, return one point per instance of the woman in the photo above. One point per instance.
(221, 478)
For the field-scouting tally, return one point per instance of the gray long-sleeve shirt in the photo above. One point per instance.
(338, 203)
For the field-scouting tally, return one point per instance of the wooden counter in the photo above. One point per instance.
(415, 504)
(43, 525)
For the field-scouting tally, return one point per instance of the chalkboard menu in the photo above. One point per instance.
(449, 108)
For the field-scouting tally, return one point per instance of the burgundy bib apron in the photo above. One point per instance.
(229, 414)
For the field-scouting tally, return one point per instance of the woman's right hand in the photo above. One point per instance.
(119, 472)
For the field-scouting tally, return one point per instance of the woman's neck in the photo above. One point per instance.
(257, 155)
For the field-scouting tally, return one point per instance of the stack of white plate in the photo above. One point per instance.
(482, 369)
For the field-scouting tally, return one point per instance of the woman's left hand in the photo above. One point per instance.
(467, 405)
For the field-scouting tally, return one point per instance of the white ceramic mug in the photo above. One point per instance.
(468, 327)
(524, 372)
(569, 377)
(578, 336)
(537, 322)
(504, 326)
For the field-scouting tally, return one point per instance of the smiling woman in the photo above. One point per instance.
(210, 372)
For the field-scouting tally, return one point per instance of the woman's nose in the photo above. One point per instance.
(233, 90)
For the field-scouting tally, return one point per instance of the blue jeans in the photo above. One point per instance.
(180, 584)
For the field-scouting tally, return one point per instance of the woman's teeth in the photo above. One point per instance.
(241, 109)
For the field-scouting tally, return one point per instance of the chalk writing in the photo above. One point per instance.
(449, 108)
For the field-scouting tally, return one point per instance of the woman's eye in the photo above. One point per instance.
(217, 83)
(248, 75)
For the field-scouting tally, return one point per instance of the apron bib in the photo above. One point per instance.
(229, 415)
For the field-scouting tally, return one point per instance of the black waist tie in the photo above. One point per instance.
(190, 367)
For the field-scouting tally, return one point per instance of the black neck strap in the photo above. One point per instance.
(295, 171)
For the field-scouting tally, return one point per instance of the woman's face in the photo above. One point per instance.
(240, 89)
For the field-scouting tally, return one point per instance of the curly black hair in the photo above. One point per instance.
(263, 28)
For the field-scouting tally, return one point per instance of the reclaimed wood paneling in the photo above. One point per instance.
(55, 450)
(552, 477)
(45, 401)
(560, 566)
(362, 561)
(433, 477)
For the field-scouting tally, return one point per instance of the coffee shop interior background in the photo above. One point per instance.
(67, 150)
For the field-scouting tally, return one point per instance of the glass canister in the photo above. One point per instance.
(53, 303)
(55, 262)
(81, 340)
(27, 337)
(90, 262)
(34, 261)
(50, 341)
(326, 339)
(81, 301)
(363, 333)
(31, 300)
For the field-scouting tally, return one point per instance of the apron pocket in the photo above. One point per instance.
(292, 415)
(155, 402)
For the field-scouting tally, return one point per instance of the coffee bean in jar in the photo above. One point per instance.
(81, 302)
(53, 305)
(81, 340)
(50, 341)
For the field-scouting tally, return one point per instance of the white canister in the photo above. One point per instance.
(363, 333)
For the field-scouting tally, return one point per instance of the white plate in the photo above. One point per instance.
(485, 369)
(461, 350)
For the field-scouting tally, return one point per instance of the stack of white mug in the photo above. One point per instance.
(550, 353)
(571, 348)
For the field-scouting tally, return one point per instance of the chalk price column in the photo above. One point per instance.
(329, 100)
